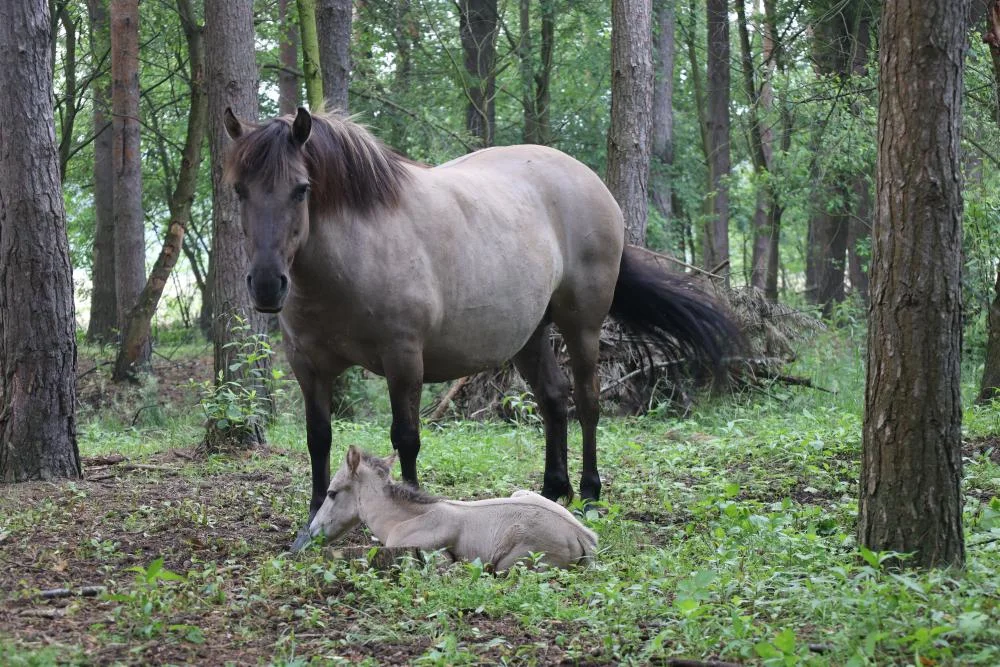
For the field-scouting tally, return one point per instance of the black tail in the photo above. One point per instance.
(684, 322)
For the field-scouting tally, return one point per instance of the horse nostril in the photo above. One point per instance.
(249, 282)
(284, 283)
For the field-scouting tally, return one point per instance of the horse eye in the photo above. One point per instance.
(332, 495)
(240, 190)
(299, 193)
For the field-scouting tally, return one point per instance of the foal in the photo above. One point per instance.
(499, 531)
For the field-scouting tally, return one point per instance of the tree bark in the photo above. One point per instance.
(311, 67)
(333, 23)
(911, 461)
(69, 106)
(130, 242)
(989, 385)
(37, 337)
(231, 73)
(104, 297)
(663, 109)
(288, 54)
(716, 245)
(137, 329)
(631, 113)
(478, 31)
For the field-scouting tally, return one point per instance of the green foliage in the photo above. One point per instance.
(237, 403)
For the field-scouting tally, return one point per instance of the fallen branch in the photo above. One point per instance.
(442, 407)
(83, 591)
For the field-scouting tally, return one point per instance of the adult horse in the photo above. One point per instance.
(430, 274)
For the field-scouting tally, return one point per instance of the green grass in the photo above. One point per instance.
(727, 535)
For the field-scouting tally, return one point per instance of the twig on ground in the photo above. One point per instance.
(83, 591)
(442, 407)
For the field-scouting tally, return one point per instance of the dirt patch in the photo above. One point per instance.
(988, 446)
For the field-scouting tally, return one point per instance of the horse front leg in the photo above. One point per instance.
(404, 373)
(316, 393)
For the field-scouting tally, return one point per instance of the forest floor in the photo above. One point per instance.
(726, 536)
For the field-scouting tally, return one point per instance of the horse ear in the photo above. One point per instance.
(390, 461)
(302, 126)
(353, 459)
(233, 125)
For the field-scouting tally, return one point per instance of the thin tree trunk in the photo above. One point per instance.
(333, 23)
(478, 31)
(405, 33)
(911, 470)
(137, 329)
(289, 95)
(663, 109)
(631, 113)
(231, 74)
(130, 242)
(37, 329)
(989, 385)
(536, 82)
(69, 109)
(104, 295)
(716, 245)
(311, 68)
(774, 61)
(696, 244)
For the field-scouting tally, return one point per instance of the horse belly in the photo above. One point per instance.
(478, 339)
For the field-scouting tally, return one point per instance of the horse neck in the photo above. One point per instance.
(381, 512)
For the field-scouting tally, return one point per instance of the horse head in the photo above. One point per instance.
(267, 168)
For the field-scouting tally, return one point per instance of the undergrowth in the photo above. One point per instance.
(728, 535)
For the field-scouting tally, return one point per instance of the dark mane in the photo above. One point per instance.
(403, 491)
(346, 165)
(396, 490)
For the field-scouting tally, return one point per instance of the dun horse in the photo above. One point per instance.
(500, 531)
(430, 274)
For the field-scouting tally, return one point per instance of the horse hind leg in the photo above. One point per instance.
(583, 345)
(536, 362)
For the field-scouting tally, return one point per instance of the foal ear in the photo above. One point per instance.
(234, 128)
(390, 461)
(301, 126)
(353, 459)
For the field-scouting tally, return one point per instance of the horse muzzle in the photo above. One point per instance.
(267, 290)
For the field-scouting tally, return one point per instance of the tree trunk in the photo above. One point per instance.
(478, 30)
(912, 461)
(136, 331)
(761, 139)
(69, 106)
(535, 82)
(104, 296)
(716, 245)
(37, 337)
(333, 22)
(698, 89)
(311, 68)
(631, 113)
(405, 33)
(989, 385)
(232, 82)
(663, 109)
(288, 53)
(840, 49)
(130, 242)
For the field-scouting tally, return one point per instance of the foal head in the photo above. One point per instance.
(285, 170)
(341, 510)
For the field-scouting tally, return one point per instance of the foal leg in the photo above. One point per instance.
(536, 362)
(584, 347)
(404, 373)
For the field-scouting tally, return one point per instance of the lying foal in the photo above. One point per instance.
(500, 531)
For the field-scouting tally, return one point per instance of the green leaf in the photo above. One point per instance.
(785, 641)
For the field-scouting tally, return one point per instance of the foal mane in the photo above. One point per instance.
(396, 490)
(347, 166)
